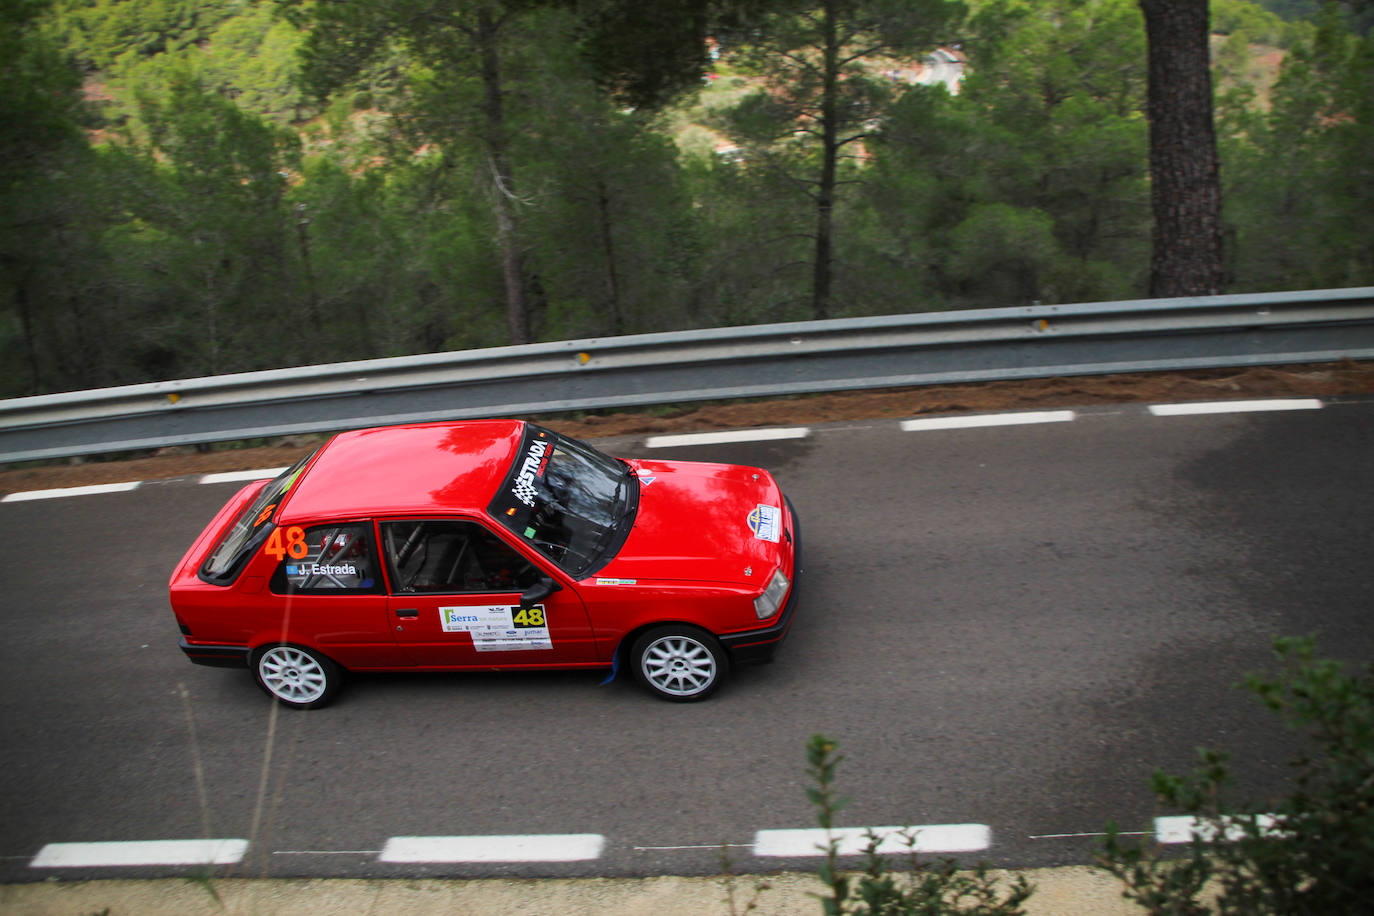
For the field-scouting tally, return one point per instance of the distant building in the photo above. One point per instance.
(941, 66)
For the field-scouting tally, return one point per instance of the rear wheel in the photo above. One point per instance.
(679, 663)
(296, 676)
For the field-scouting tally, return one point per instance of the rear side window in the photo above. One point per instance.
(250, 529)
(327, 560)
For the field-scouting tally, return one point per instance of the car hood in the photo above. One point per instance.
(703, 522)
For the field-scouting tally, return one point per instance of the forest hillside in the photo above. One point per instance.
(197, 187)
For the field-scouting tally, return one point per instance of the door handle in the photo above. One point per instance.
(407, 612)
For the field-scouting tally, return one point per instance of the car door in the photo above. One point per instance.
(455, 600)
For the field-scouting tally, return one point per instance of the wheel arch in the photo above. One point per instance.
(621, 656)
(263, 641)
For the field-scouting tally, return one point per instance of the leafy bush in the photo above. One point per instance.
(1313, 853)
(924, 890)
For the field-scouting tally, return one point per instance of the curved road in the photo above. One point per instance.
(1005, 628)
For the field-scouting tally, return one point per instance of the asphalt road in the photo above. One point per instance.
(1007, 627)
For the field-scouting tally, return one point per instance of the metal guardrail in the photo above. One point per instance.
(759, 360)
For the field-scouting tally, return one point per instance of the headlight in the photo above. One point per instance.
(767, 604)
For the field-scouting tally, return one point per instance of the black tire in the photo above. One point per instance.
(295, 676)
(679, 663)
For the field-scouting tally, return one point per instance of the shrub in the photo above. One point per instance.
(1313, 853)
(925, 889)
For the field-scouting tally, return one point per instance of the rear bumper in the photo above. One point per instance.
(754, 646)
(216, 656)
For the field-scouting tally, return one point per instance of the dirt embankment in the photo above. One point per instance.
(1334, 380)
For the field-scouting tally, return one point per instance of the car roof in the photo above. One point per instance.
(421, 468)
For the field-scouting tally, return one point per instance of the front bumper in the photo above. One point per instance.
(216, 656)
(755, 646)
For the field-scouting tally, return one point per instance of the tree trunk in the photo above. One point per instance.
(21, 298)
(608, 249)
(1185, 180)
(503, 185)
(825, 193)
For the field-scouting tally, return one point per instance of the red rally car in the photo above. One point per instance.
(490, 545)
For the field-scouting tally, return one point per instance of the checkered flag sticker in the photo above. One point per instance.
(525, 493)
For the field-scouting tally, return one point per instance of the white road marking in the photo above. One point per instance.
(1205, 407)
(734, 435)
(577, 847)
(930, 838)
(568, 847)
(1017, 418)
(71, 491)
(147, 852)
(240, 476)
(1180, 829)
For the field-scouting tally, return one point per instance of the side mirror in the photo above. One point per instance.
(539, 591)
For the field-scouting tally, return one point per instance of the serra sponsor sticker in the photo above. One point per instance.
(766, 523)
(499, 628)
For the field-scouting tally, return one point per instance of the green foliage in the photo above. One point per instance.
(218, 187)
(135, 46)
(609, 221)
(1300, 177)
(821, 92)
(1010, 245)
(41, 113)
(646, 54)
(923, 890)
(1315, 854)
(44, 204)
(1253, 23)
(1056, 207)
(751, 265)
(172, 225)
(252, 60)
(114, 33)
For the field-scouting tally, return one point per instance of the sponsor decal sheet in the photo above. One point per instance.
(499, 628)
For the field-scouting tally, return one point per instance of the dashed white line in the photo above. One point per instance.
(735, 435)
(1207, 407)
(580, 847)
(72, 491)
(94, 489)
(145, 852)
(930, 838)
(240, 476)
(962, 421)
(1180, 829)
(566, 847)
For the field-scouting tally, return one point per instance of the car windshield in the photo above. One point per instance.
(250, 528)
(574, 504)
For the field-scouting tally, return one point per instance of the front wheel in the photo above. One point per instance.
(679, 663)
(296, 676)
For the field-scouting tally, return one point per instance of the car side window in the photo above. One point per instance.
(334, 559)
(450, 556)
